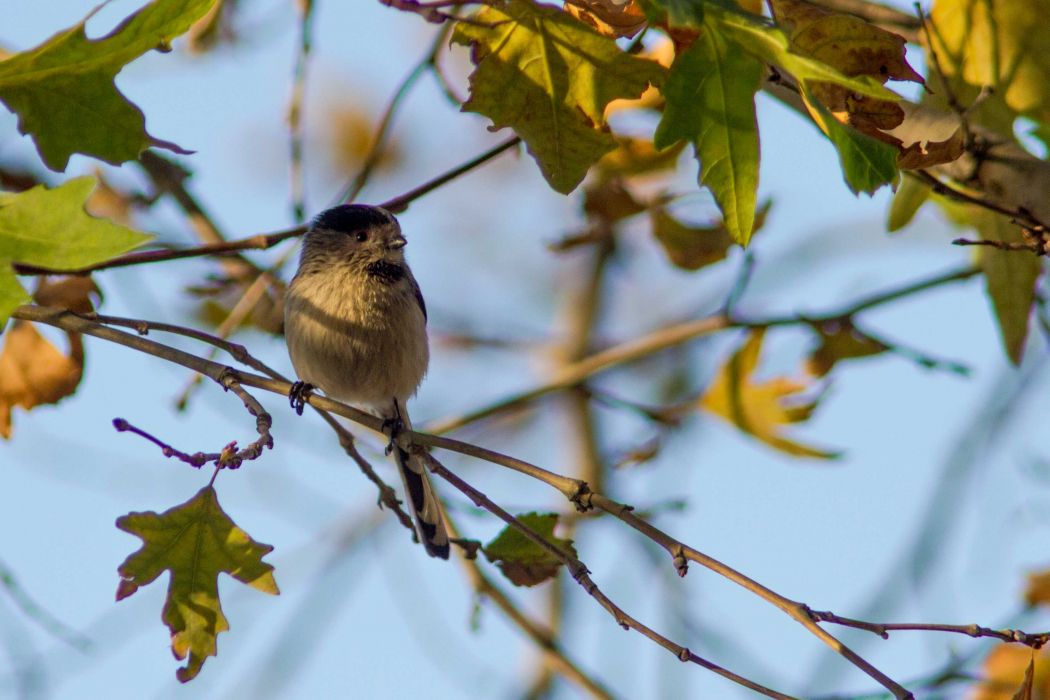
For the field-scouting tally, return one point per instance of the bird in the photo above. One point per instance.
(355, 326)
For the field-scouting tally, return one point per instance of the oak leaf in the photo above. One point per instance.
(521, 560)
(195, 542)
(49, 228)
(63, 90)
(762, 408)
(550, 78)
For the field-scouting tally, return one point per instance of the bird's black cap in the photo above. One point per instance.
(347, 218)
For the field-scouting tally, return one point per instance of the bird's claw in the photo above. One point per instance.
(298, 395)
(393, 426)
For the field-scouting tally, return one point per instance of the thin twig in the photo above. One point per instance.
(295, 109)
(400, 203)
(230, 457)
(379, 140)
(31, 609)
(387, 495)
(676, 334)
(576, 491)
(544, 639)
(581, 575)
(883, 629)
(263, 241)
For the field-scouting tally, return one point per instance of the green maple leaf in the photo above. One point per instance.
(63, 90)
(195, 541)
(549, 77)
(710, 95)
(867, 163)
(521, 560)
(1010, 278)
(49, 228)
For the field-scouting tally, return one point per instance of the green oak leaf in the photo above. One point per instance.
(49, 228)
(521, 560)
(195, 541)
(1010, 277)
(867, 163)
(710, 95)
(63, 90)
(549, 77)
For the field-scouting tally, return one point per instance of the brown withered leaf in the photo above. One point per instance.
(928, 136)
(71, 293)
(838, 342)
(608, 17)
(610, 201)
(855, 47)
(33, 372)
(694, 247)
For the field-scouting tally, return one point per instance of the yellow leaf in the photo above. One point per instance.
(762, 409)
(1000, 45)
(195, 541)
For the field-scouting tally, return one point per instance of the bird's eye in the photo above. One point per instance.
(362, 236)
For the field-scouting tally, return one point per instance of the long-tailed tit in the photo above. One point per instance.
(355, 323)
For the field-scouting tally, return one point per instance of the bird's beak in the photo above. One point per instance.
(397, 243)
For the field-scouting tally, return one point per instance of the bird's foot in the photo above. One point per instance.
(298, 395)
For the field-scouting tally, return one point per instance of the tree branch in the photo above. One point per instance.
(669, 336)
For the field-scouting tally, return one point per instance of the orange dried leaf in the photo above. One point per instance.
(762, 409)
(1014, 672)
(33, 372)
(1038, 591)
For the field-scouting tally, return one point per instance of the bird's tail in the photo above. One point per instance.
(426, 511)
